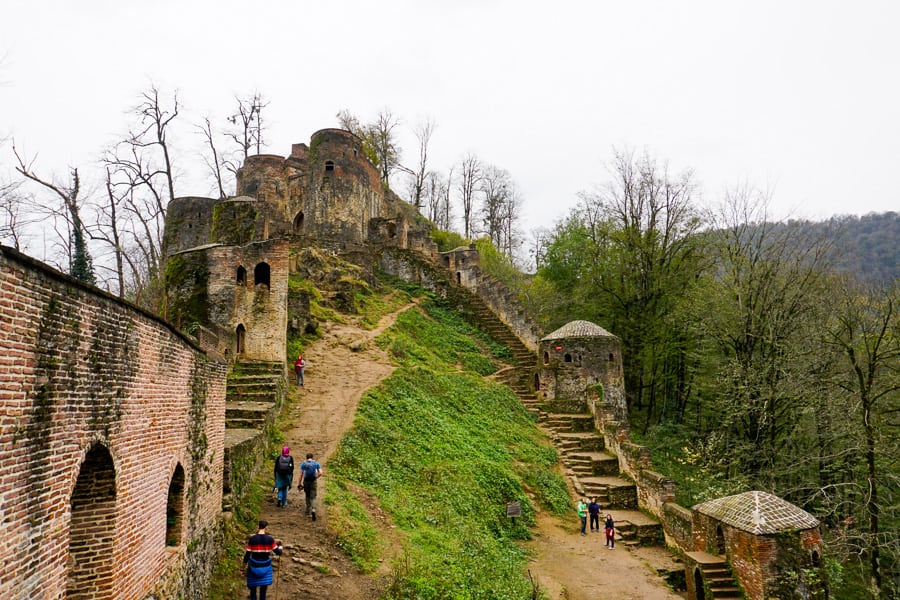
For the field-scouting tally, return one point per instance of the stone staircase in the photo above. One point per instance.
(253, 396)
(592, 471)
(717, 576)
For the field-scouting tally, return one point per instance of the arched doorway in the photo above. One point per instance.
(720, 541)
(240, 339)
(175, 507)
(92, 530)
(699, 592)
(537, 382)
(241, 276)
(298, 222)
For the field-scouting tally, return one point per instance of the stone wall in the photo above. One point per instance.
(110, 420)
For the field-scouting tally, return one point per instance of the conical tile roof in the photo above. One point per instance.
(759, 513)
(575, 329)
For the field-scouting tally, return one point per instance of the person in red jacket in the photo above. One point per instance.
(299, 366)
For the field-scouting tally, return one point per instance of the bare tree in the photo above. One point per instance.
(379, 140)
(247, 128)
(80, 263)
(495, 187)
(418, 175)
(470, 174)
(214, 161)
(11, 218)
(141, 177)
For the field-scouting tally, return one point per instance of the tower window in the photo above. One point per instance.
(262, 274)
(241, 275)
(329, 166)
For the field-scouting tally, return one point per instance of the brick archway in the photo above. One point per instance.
(92, 529)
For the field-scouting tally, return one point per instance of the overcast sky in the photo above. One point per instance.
(799, 97)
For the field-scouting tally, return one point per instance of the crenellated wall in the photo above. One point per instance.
(111, 445)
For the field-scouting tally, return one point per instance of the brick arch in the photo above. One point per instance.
(92, 528)
(175, 507)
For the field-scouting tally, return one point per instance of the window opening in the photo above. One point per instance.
(720, 541)
(241, 275)
(329, 166)
(298, 221)
(262, 274)
(568, 358)
(240, 339)
(546, 358)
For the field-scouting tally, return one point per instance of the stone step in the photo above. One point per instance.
(599, 463)
(619, 492)
(578, 442)
(254, 412)
(267, 396)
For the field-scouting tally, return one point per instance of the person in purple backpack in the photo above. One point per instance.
(284, 475)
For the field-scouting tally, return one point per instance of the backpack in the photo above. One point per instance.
(284, 465)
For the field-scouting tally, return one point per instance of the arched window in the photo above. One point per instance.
(329, 166)
(262, 274)
(815, 560)
(298, 222)
(546, 358)
(240, 339)
(241, 275)
(92, 528)
(458, 278)
(611, 357)
(567, 358)
(537, 382)
(175, 507)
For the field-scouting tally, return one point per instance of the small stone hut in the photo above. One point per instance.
(575, 358)
(771, 545)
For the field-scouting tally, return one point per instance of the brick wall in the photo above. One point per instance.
(99, 404)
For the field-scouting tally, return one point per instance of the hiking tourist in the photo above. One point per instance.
(594, 511)
(258, 561)
(310, 471)
(284, 475)
(610, 532)
(582, 514)
(299, 367)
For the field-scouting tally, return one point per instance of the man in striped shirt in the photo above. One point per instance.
(258, 561)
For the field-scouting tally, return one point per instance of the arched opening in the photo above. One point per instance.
(611, 357)
(537, 382)
(720, 541)
(175, 507)
(262, 274)
(458, 278)
(329, 166)
(578, 360)
(815, 560)
(298, 222)
(241, 275)
(92, 530)
(546, 358)
(567, 358)
(699, 592)
(240, 339)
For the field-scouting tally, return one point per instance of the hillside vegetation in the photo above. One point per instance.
(444, 450)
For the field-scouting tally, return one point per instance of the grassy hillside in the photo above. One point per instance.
(444, 450)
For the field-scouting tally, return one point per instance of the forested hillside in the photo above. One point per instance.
(758, 355)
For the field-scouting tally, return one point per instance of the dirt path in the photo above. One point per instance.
(568, 566)
(574, 567)
(335, 379)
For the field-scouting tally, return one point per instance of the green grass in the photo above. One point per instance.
(445, 450)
